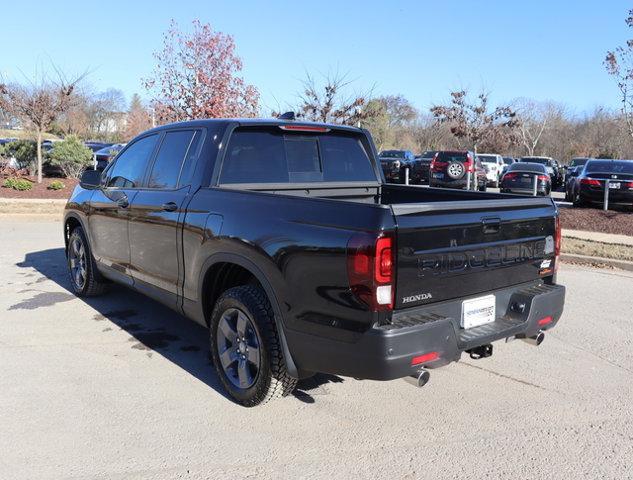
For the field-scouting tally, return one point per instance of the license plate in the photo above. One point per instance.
(614, 184)
(478, 311)
(438, 175)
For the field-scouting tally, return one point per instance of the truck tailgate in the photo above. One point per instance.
(458, 249)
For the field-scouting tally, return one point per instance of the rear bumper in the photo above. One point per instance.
(589, 194)
(492, 177)
(541, 190)
(385, 352)
(459, 183)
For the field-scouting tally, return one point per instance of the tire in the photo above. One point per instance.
(84, 278)
(578, 202)
(455, 170)
(255, 378)
(483, 188)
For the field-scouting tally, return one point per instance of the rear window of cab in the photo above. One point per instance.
(272, 155)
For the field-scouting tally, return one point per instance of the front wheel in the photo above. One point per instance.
(84, 278)
(246, 349)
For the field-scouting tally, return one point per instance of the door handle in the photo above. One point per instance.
(122, 202)
(170, 207)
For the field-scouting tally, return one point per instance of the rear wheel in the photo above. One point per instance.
(84, 277)
(246, 349)
(578, 201)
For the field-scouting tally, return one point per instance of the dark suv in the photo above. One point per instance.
(420, 168)
(393, 163)
(454, 169)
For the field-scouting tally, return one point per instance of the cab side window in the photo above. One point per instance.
(174, 148)
(129, 169)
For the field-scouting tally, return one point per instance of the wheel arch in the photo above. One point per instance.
(208, 274)
(72, 221)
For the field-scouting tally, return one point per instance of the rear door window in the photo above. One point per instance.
(271, 155)
(169, 160)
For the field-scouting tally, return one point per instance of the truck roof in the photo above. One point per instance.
(264, 122)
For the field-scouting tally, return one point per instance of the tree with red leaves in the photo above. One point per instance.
(197, 76)
(474, 123)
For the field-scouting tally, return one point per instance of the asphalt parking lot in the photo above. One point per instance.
(121, 387)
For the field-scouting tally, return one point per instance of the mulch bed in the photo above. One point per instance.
(596, 220)
(40, 190)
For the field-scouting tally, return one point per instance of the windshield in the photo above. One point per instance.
(527, 167)
(429, 154)
(610, 166)
(487, 158)
(575, 162)
(508, 161)
(542, 161)
(392, 154)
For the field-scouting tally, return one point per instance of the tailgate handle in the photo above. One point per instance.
(491, 225)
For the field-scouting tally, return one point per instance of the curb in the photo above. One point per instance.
(16, 206)
(586, 259)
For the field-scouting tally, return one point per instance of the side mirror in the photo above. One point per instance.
(90, 179)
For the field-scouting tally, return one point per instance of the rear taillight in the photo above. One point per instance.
(469, 164)
(433, 162)
(543, 178)
(628, 184)
(510, 176)
(590, 181)
(558, 238)
(370, 268)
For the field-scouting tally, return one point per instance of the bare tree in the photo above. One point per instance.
(38, 104)
(619, 64)
(533, 119)
(472, 122)
(330, 102)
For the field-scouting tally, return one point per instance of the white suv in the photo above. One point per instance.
(493, 164)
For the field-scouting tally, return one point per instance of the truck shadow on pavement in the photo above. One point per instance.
(153, 327)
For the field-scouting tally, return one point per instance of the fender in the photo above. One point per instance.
(76, 216)
(249, 265)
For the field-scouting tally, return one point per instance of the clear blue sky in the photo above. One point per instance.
(547, 50)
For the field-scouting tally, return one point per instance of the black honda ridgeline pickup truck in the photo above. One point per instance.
(284, 239)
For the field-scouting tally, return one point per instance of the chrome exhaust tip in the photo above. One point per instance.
(536, 340)
(420, 379)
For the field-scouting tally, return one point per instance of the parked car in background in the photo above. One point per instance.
(520, 177)
(103, 156)
(96, 146)
(283, 242)
(551, 167)
(493, 164)
(588, 186)
(507, 161)
(421, 167)
(578, 161)
(392, 163)
(453, 169)
(570, 177)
